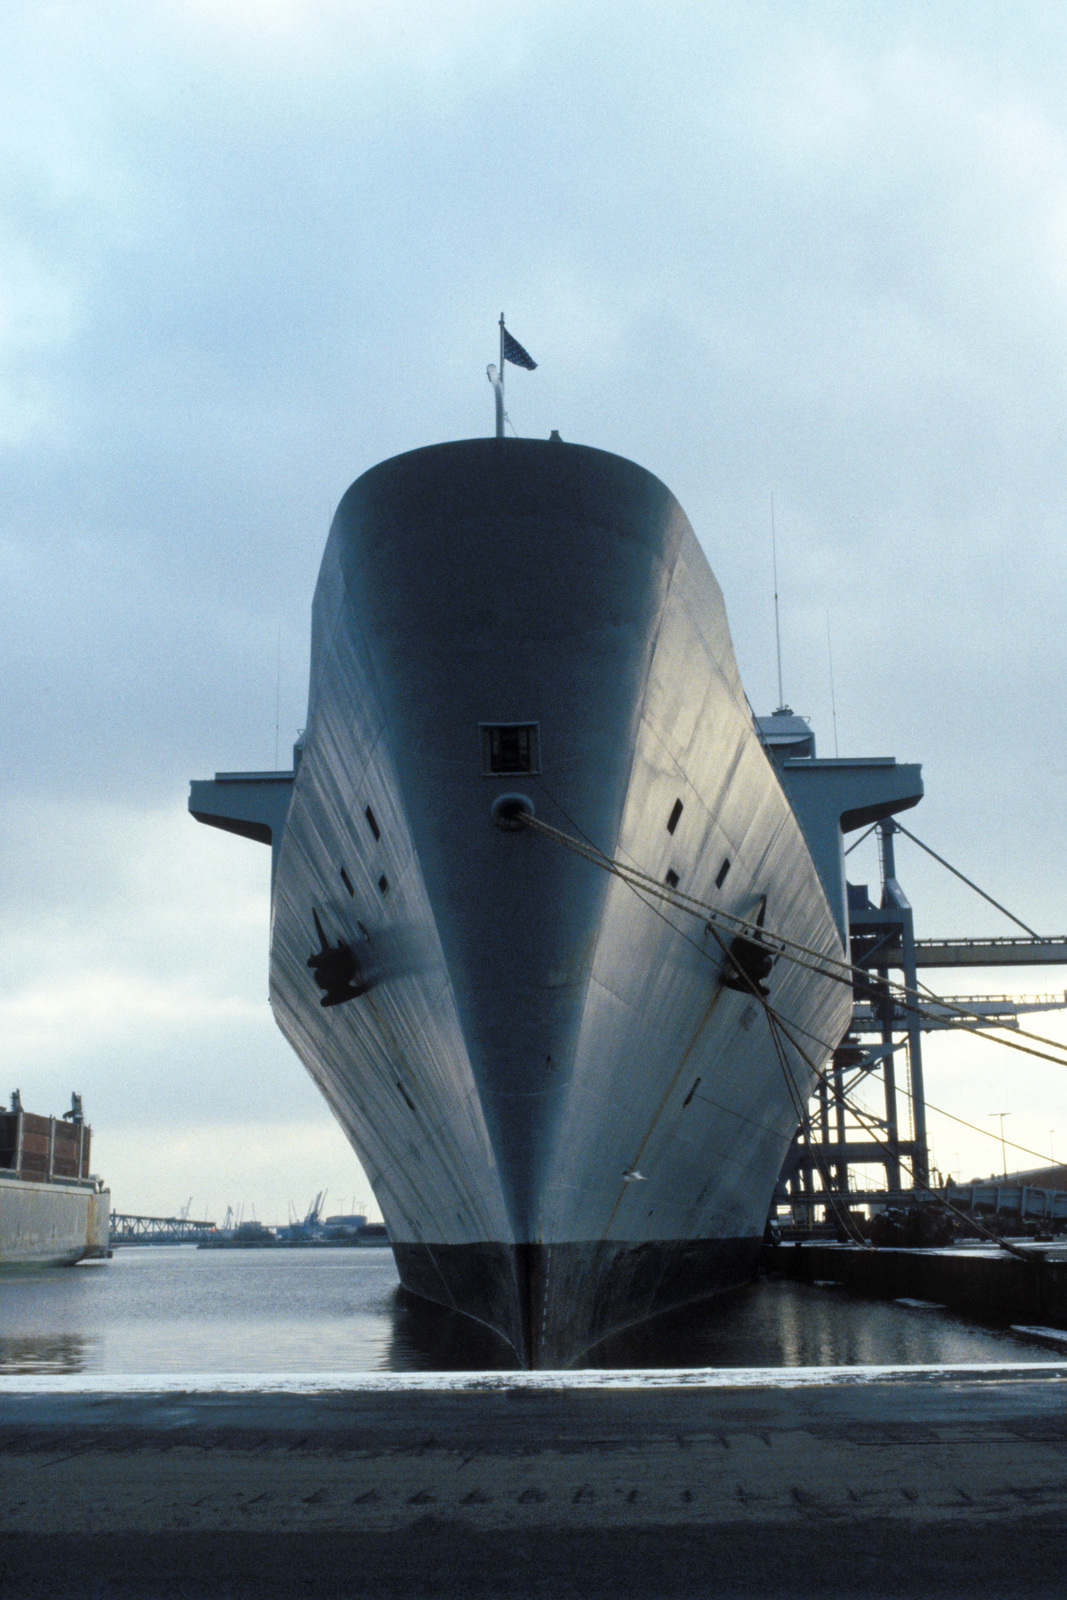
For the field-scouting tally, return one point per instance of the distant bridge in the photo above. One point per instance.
(127, 1229)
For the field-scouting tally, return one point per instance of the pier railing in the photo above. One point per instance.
(1009, 1200)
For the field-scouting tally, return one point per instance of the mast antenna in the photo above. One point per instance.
(833, 701)
(278, 699)
(777, 626)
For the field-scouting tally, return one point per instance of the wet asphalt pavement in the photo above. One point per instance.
(872, 1482)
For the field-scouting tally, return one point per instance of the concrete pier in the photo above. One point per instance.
(980, 1282)
(845, 1482)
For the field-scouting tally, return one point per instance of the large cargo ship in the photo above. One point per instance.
(53, 1212)
(572, 1097)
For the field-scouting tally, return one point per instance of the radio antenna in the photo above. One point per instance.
(777, 626)
(278, 699)
(833, 701)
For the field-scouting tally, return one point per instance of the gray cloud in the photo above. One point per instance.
(794, 249)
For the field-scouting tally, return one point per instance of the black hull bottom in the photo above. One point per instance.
(553, 1302)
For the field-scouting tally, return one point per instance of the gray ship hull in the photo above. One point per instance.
(569, 1122)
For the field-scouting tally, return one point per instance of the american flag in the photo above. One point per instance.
(514, 353)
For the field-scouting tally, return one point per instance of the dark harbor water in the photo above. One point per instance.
(178, 1309)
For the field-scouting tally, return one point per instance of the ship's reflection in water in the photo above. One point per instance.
(44, 1353)
(428, 1338)
(781, 1324)
(765, 1324)
(183, 1310)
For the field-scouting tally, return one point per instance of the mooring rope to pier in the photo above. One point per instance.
(872, 1128)
(779, 1028)
(801, 955)
(643, 884)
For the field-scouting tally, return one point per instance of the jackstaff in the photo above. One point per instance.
(510, 350)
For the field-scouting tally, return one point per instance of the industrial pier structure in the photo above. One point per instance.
(834, 798)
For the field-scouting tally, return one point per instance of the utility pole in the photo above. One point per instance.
(1003, 1147)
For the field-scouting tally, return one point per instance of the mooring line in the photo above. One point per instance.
(642, 883)
(823, 965)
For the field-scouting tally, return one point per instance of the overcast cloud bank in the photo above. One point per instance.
(249, 249)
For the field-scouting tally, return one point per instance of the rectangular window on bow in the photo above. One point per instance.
(510, 747)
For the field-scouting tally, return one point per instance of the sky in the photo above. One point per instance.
(248, 248)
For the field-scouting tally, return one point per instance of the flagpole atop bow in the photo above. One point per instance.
(501, 365)
(498, 394)
(510, 350)
(496, 378)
